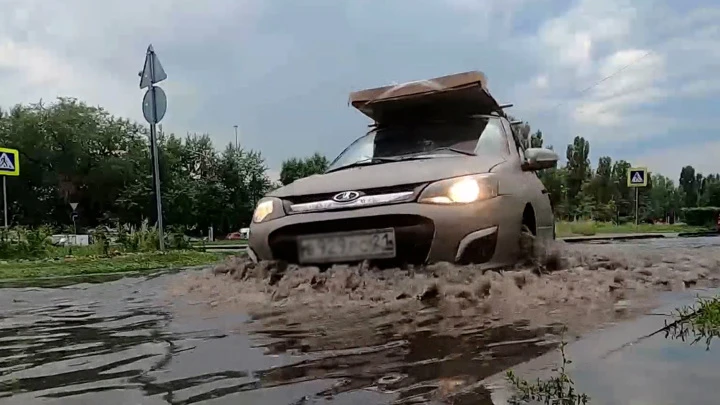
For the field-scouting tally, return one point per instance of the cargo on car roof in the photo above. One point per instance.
(461, 94)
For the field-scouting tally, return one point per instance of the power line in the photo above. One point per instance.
(604, 79)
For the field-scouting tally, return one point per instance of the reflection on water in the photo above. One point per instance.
(118, 342)
(651, 370)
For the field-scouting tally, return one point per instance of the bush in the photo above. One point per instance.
(585, 228)
(102, 241)
(701, 216)
(26, 244)
(144, 239)
(176, 238)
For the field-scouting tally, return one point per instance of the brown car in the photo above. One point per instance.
(441, 176)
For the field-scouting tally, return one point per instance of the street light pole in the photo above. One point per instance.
(236, 137)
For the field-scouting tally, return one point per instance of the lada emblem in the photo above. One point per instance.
(346, 196)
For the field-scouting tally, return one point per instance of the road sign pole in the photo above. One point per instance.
(9, 166)
(637, 205)
(158, 196)
(637, 177)
(153, 73)
(5, 201)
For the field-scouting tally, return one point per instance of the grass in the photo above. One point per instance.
(223, 242)
(697, 322)
(558, 389)
(87, 264)
(590, 228)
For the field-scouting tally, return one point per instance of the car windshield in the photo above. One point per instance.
(422, 139)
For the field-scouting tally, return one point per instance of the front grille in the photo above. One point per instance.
(413, 236)
(301, 199)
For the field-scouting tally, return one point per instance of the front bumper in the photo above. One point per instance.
(480, 232)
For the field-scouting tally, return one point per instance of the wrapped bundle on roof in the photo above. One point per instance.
(457, 95)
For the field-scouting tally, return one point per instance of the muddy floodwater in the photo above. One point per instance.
(443, 334)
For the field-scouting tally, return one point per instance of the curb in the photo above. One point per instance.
(610, 238)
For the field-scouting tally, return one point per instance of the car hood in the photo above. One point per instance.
(389, 174)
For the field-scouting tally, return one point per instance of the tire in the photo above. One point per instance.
(527, 244)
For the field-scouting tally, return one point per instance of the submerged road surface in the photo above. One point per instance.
(132, 341)
(121, 343)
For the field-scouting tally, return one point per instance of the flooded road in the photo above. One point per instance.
(653, 370)
(122, 343)
(145, 341)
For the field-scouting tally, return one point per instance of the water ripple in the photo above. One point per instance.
(120, 342)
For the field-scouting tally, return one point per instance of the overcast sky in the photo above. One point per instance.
(282, 69)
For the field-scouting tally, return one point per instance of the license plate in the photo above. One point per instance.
(347, 246)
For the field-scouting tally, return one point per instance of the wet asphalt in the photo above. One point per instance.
(124, 342)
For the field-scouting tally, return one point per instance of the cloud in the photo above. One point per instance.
(93, 50)
(282, 70)
(618, 71)
(668, 161)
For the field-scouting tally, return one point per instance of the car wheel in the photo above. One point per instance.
(527, 244)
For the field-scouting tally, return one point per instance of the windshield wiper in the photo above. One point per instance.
(365, 162)
(378, 160)
(456, 150)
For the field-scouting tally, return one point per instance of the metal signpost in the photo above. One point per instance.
(236, 138)
(637, 177)
(154, 107)
(9, 166)
(74, 216)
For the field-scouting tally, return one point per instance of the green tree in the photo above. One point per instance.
(621, 192)
(688, 183)
(536, 139)
(293, 169)
(710, 195)
(578, 168)
(72, 152)
(665, 200)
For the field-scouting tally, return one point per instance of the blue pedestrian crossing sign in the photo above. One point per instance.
(9, 162)
(637, 177)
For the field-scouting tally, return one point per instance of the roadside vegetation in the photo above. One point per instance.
(590, 228)
(559, 389)
(86, 265)
(230, 242)
(693, 324)
(30, 253)
(696, 323)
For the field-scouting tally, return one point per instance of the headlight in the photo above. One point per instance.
(461, 190)
(263, 210)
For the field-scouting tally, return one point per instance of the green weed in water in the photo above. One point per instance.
(695, 323)
(557, 390)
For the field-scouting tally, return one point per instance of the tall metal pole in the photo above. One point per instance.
(5, 201)
(637, 205)
(236, 136)
(158, 196)
(156, 165)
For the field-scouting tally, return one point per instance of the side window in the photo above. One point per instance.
(516, 146)
(493, 139)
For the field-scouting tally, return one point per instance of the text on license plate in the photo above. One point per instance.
(347, 246)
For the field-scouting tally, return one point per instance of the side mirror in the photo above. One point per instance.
(539, 158)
